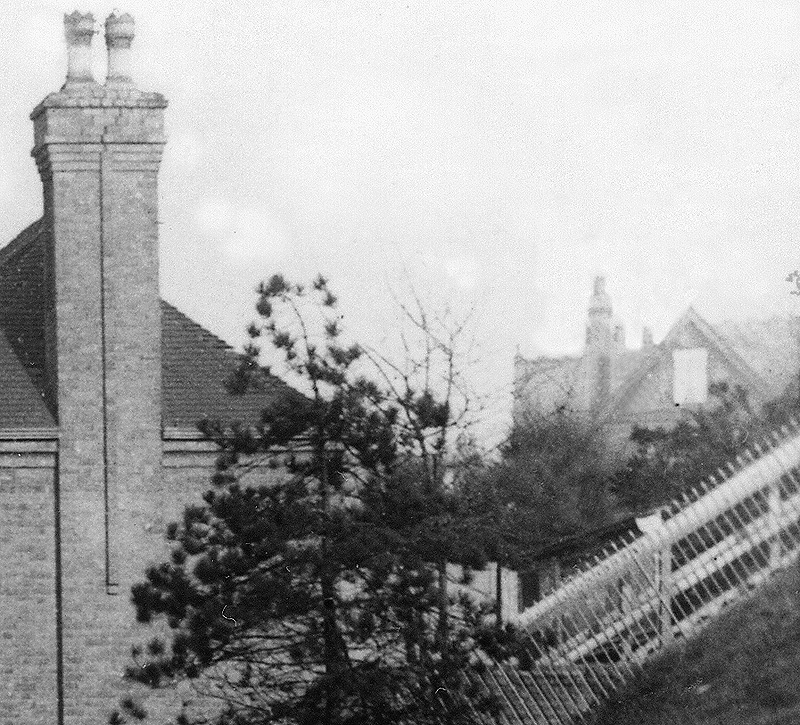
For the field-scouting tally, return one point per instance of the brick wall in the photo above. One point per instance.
(97, 628)
(28, 682)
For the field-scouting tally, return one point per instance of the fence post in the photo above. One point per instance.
(663, 564)
(626, 608)
(653, 527)
(773, 516)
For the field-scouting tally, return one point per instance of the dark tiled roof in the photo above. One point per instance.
(22, 403)
(584, 543)
(196, 365)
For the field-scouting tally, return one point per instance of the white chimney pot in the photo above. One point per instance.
(119, 36)
(78, 31)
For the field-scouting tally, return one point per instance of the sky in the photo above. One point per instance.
(491, 154)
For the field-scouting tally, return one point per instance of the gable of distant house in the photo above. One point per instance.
(655, 384)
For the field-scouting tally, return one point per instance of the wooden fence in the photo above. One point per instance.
(710, 548)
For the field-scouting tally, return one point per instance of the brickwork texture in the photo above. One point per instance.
(83, 507)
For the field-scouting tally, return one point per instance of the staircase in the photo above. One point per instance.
(705, 551)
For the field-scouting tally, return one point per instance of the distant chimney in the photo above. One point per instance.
(119, 36)
(600, 302)
(78, 31)
(598, 330)
(647, 337)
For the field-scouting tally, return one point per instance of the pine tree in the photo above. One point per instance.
(319, 599)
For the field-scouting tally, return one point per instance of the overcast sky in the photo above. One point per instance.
(504, 152)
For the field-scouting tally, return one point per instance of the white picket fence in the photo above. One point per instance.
(710, 548)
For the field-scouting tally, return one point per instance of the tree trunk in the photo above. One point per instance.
(334, 656)
(444, 604)
(498, 594)
(334, 646)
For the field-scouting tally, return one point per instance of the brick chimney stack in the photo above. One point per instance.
(98, 149)
(78, 31)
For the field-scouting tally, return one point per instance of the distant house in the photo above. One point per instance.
(655, 384)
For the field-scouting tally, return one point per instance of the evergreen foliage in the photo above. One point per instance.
(666, 463)
(320, 597)
(550, 482)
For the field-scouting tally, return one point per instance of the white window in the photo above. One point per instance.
(690, 376)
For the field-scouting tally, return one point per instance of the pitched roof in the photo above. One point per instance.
(551, 381)
(196, 364)
(22, 315)
(585, 543)
(771, 347)
(195, 367)
(548, 381)
(756, 383)
(22, 403)
(765, 352)
(624, 364)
